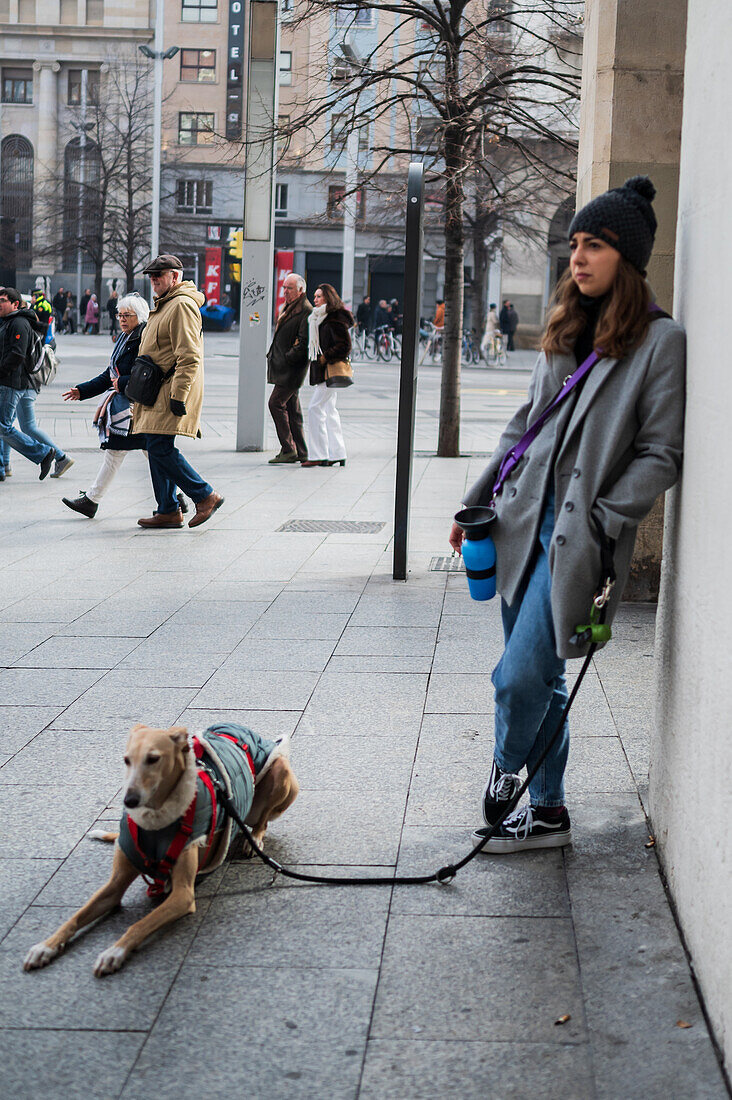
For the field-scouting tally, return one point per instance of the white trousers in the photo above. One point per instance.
(325, 437)
(111, 462)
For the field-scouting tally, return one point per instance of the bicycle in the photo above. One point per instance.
(431, 343)
(470, 351)
(385, 343)
(495, 355)
(364, 344)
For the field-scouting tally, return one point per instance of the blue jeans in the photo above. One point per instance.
(168, 469)
(530, 689)
(26, 415)
(28, 447)
(4, 454)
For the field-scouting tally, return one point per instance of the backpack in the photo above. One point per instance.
(41, 363)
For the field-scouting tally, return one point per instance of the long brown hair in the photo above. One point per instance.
(623, 321)
(332, 298)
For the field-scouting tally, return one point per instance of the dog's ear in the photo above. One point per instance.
(179, 737)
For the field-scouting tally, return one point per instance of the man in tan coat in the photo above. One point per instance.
(173, 338)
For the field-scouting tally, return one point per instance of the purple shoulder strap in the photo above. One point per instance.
(514, 456)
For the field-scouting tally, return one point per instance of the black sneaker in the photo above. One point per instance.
(46, 464)
(82, 505)
(499, 790)
(528, 828)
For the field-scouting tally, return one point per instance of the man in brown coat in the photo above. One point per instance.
(173, 337)
(287, 364)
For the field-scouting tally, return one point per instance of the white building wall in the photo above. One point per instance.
(691, 763)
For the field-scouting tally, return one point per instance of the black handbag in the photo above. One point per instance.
(145, 381)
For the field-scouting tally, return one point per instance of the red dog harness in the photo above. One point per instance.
(158, 872)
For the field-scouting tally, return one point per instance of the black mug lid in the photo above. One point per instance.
(475, 522)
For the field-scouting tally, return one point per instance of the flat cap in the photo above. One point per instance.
(166, 262)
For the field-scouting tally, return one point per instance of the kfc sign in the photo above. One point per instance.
(212, 278)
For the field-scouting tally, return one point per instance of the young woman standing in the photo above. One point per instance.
(330, 342)
(590, 476)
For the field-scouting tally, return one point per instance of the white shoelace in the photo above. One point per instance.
(503, 788)
(520, 823)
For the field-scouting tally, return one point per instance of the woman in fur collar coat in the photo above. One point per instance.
(329, 342)
(575, 499)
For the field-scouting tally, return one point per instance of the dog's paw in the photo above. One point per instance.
(112, 959)
(40, 955)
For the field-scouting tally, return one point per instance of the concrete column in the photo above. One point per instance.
(630, 124)
(46, 158)
(46, 152)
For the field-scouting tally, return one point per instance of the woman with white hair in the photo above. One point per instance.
(113, 416)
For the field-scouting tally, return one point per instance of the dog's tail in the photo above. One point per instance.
(99, 834)
(282, 748)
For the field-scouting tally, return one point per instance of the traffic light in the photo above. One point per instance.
(236, 243)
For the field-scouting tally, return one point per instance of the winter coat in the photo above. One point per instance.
(335, 342)
(287, 358)
(173, 337)
(92, 312)
(228, 762)
(96, 386)
(111, 307)
(610, 451)
(15, 341)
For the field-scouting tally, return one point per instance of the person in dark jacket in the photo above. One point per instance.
(363, 315)
(17, 396)
(287, 364)
(113, 416)
(329, 342)
(86, 296)
(508, 321)
(111, 308)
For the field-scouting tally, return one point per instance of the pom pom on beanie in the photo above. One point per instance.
(623, 218)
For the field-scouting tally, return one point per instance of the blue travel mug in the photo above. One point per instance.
(479, 551)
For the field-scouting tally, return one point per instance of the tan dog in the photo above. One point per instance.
(160, 783)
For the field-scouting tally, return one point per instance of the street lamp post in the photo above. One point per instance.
(350, 197)
(158, 55)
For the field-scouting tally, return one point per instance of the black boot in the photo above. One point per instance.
(182, 503)
(82, 505)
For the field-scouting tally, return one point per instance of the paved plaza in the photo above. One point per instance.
(273, 990)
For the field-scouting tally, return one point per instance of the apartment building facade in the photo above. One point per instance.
(46, 47)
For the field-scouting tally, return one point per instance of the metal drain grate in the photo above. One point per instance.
(447, 565)
(333, 526)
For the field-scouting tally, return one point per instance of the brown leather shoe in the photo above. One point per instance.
(205, 509)
(162, 519)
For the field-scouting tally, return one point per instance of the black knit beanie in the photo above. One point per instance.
(623, 218)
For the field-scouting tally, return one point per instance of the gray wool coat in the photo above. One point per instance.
(610, 451)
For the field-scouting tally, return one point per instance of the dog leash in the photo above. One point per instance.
(447, 873)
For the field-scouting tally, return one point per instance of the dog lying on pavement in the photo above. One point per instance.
(174, 829)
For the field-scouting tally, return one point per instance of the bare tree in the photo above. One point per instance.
(100, 204)
(480, 90)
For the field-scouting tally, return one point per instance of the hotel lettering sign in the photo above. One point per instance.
(235, 70)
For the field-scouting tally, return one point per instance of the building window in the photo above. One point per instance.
(16, 181)
(285, 66)
(198, 65)
(27, 11)
(497, 12)
(74, 90)
(69, 13)
(194, 197)
(335, 202)
(17, 85)
(281, 200)
(286, 9)
(428, 134)
(340, 127)
(341, 72)
(195, 128)
(95, 13)
(361, 17)
(199, 11)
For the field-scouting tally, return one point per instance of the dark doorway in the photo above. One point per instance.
(323, 267)
(386, 278)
